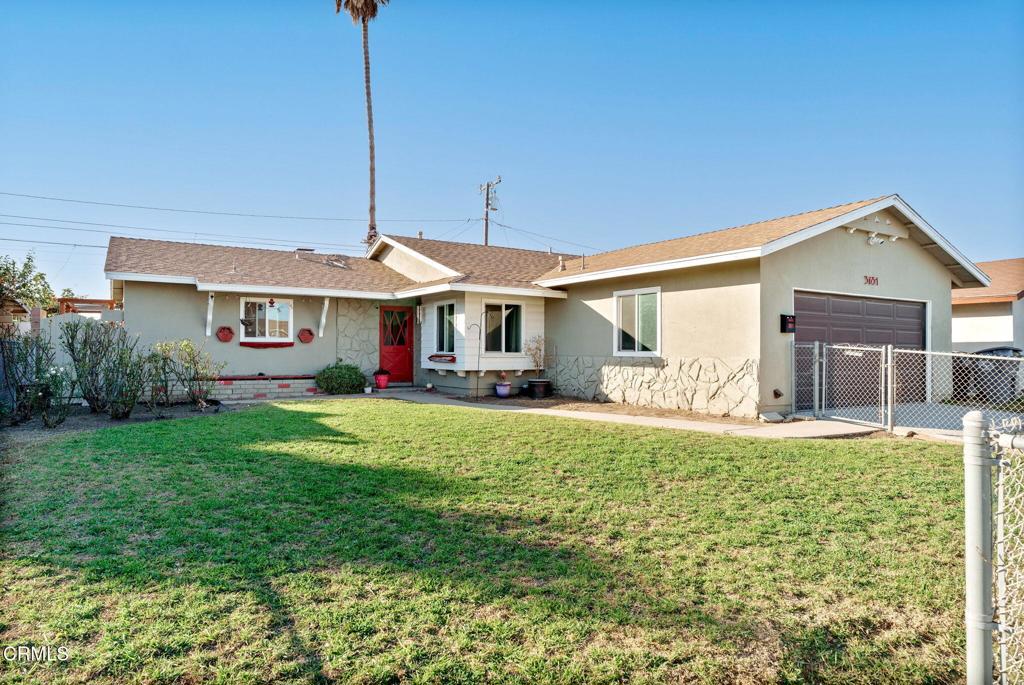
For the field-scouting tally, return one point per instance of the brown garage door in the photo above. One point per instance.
(854, 379)
(846, 319)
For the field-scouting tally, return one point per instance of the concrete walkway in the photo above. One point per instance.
(792, 430)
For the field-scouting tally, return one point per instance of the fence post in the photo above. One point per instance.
(890, 390)
(978, 548)
(817, 379)
(792, 377)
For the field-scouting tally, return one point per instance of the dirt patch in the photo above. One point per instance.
(82, 420)
(576, 404)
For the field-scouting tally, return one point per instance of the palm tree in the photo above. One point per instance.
(362, 11)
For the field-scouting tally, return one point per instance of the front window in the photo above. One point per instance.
(446, 327)
(503, 328)
(266, 319)
(637, 322)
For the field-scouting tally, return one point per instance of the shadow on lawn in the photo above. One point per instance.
(258, 495)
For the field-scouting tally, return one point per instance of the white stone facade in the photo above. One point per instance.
(724, 387)
(358, 340)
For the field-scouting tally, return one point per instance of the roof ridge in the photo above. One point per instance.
(494, 247)
(746, 225)
(230, 247)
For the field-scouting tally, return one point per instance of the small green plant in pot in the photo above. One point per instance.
(503, 388)
(381, 377)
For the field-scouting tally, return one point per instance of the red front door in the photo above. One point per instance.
(396, 331)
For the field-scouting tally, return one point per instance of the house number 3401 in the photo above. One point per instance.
(871, 280)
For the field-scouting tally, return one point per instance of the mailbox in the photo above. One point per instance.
(787, 323)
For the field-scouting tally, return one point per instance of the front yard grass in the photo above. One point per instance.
(379, 541)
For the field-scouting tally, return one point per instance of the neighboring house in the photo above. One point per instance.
(11, 309)
(692, 322)
(992, 316)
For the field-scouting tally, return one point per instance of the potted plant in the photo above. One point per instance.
(539, 387)
(381, 377)
(503, 388)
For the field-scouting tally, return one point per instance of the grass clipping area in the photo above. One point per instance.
(379, 541)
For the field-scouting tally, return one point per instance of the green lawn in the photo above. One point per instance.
(379, 541)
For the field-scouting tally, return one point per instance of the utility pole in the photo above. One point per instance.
(487, 189)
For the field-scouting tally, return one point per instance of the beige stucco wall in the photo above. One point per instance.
(160, 312)
(709, 341)
(837, 262)
(979, 326)
(408, 266)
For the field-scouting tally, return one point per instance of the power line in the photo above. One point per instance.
(541, 235)
(217, 213)
(459, 229)
(244, 239)
(51, 242)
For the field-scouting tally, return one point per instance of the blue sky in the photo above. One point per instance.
(611, 123)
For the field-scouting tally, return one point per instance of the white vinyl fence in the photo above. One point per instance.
(892, 388)
(994, 549)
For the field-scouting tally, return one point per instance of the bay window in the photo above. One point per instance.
(637, 322)
(503, 328)
(266, 319)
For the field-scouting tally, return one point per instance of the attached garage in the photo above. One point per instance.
(850, 319)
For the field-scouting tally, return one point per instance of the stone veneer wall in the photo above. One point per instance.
(359, 334)
(701, 384)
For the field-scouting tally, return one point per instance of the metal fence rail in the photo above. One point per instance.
(892, 387)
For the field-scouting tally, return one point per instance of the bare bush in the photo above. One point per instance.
(31, 376)
(125, 375)
(534, 349)
(88, 344)
(192, 368)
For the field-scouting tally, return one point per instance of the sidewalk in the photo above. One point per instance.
(792, 430)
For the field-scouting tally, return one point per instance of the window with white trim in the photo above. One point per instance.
(445, 324)
(637, 322)
(266, 319)
(503, 328)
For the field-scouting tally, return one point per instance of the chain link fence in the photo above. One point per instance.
(994, 549)
(1007, 444)
(892, 387)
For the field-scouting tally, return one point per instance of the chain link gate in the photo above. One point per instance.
(892, 387)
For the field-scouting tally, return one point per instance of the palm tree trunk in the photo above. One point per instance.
(371, 230)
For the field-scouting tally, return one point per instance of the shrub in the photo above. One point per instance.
(125, 374)
(56, 392)
(341, 379)
(26, 360)
(192, 367)
(161, 387)
(88, 344)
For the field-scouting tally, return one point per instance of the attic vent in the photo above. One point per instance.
(304, 249)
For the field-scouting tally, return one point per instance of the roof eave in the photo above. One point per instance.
(263, 288)
(784, 242)
(652, 267)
